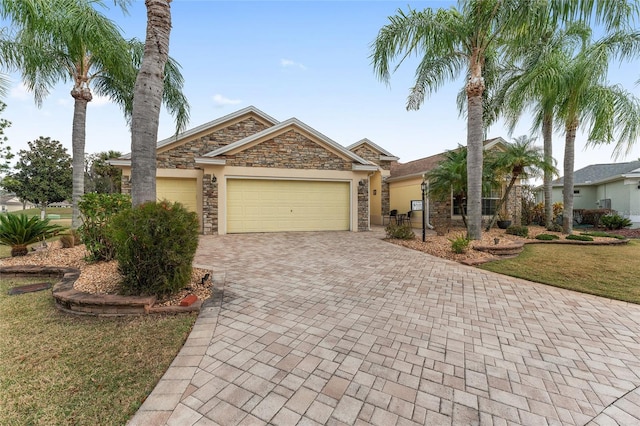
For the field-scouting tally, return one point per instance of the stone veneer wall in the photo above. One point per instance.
(514, 205)
(440, 216)
(209, 205)
(290, 150)
(183, 156)
(125, 185)
(368, 154)
(363, 205)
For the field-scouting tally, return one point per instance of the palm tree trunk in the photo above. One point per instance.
(475, 134)
(78, 137)
(547, 136)
(148, 100)
(567, 196)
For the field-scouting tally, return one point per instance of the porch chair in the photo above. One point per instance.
(393, 214)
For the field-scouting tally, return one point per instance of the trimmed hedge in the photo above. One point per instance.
(547, 237)
(521, 231)
(579, 237)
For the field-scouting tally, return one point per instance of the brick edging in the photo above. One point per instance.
(77, 302)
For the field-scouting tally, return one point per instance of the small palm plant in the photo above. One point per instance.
(18, 231)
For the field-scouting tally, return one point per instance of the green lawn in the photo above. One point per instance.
(609, 271)
(60, 369)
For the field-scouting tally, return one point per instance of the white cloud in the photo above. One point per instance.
(221, 100)
(286, 63)
(64, 101)
(20, 92)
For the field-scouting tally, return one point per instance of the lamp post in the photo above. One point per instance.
(423, 186)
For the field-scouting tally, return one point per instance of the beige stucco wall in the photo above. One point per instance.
(401, 193)
(375, 198)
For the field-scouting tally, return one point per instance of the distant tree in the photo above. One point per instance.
(5, 150)
(42, 174)
(100, 176)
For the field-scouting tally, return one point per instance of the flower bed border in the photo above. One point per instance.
(77, 302)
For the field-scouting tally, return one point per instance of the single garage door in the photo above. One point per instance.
(178, 190)
(287, 205)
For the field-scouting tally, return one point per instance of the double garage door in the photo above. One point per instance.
(255, 205)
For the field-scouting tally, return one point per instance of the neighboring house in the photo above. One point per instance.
(405, 186)
(612, 186)
(248, 172)
(11, 203)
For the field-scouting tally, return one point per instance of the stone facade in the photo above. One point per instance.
(369, 154)
(209, 205)
(440, 216)
(363, 205)
(290, 150)
(183, 156)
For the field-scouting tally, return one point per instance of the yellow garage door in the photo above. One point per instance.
(286, 205)
(178, 190)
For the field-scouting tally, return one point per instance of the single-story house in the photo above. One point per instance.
(248, 172)
(613, 186)
(11, 203)
(405, 188)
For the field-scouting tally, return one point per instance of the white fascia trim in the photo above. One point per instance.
(210, 124)
(388, 158)
(119, 162)
(277, 128)
(364, 167)
(211, 161)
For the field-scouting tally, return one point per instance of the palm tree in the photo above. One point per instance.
(520, 160)
(455, 40)
(92, 55)
(608, 113)
(448, 180)
(147, 100)
(449, 43)
(535, 82)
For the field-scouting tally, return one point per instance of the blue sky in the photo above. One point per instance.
(303, 59)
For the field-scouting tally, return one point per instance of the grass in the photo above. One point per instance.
(64, 212)
(601, 270)
(61, 369)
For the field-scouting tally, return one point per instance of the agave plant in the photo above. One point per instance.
(18, 231)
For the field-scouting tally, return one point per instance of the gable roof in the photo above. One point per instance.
(211, 124)
(383, 152)
(422, 165)
(292, 123)
(596, 173)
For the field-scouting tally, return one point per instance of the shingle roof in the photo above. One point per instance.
(423, 165)
(416, 167)
(600, 172)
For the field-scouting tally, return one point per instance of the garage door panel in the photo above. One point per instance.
(178, 190)
(281, 205)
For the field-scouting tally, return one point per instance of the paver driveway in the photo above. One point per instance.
(343, 328)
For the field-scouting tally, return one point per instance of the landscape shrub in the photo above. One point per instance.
(547, 237)
(521, 231)
(400, 232)
(615, 221)
(579, 237)
(593, 216)
(155, 244)
(554, 227)
(71, 239)
(460, 244)
(18, 231)
(97, 210)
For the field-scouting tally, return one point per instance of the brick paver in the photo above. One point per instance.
(343, 328)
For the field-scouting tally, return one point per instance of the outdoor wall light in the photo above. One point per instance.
(375, 191)
(214, 179)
